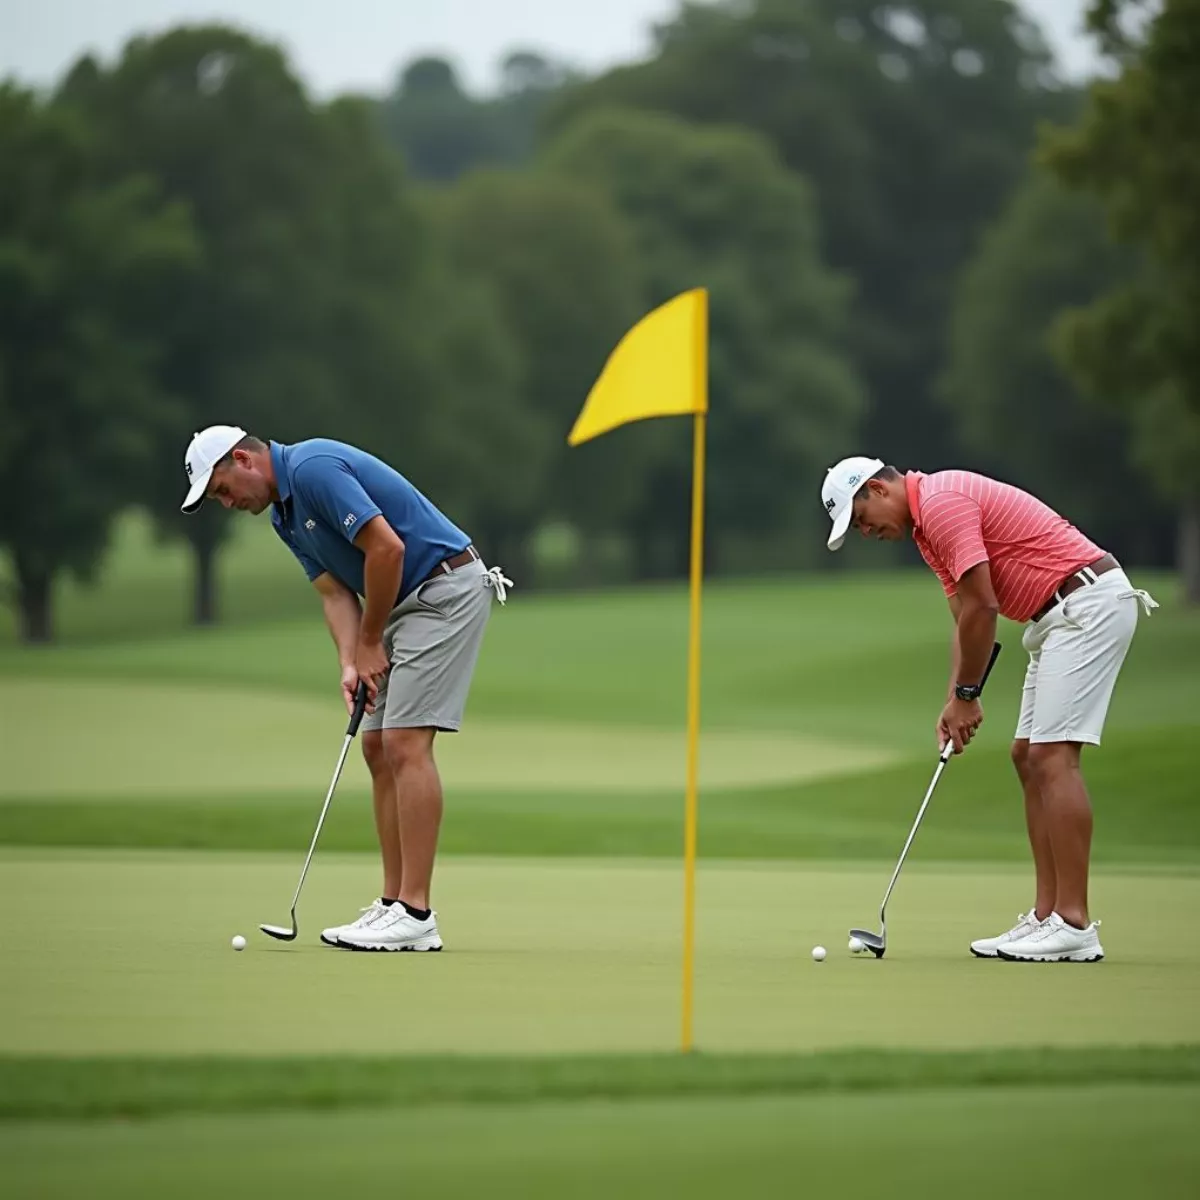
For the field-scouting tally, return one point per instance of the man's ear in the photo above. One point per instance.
(243, 458)
(877, 487)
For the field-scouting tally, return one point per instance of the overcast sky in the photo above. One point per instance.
(357, 45)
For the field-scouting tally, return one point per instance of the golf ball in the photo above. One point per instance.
(818, 953)
(239, 942)
(857, 945)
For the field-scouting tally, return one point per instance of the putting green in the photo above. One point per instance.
(1136, 1141)
(129, 953)
(158, 740)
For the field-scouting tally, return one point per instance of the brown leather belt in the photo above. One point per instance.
(1075, 581)
(453, 563)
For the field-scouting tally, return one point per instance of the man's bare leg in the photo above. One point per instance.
(387, 815)
(1068, 812)
(418, 791)
(1037, 824)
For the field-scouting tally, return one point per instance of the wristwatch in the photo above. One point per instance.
(968, 691)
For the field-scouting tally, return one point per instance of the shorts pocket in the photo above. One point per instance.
(1074, 614)
(437, 603)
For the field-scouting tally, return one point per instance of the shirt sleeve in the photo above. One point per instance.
(332, 491)
(952, 523)
(312, 568)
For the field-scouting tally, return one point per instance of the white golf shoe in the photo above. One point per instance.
(1027, 923)
(393, 929)
(330, 936)
(1056, 941)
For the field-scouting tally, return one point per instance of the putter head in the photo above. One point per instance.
(876, 943)
(277, 931)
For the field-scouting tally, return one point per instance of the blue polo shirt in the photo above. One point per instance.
(328, 491)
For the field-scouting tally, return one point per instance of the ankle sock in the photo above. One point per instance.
(421, 914)
(386, 902)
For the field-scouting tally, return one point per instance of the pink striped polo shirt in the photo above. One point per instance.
(961, 519)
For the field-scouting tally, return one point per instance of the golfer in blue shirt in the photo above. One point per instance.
(406, 598)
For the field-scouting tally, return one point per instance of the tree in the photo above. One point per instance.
(418, 347)
(84, 260)
(715, 207)
(436, 126)
(912, 123)
(1138, 149)
(219, 121)
(560, 265)
(529, 85)
(1017, 411)
(442, 132)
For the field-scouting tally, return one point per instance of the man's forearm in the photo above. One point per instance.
(343, 616)
(382, 572)
(976, 635)
(953, 662)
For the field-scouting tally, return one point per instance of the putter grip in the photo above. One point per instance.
(360, 708)
(991, 664)
(949, 746)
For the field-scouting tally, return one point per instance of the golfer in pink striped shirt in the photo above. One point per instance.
(1000, 551)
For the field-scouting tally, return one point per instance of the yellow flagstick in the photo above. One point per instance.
(660, 369)
(700, 349)
(693, 730)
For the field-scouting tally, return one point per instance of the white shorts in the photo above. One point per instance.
(1075, 654)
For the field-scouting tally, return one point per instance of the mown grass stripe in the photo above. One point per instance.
(89, 1088)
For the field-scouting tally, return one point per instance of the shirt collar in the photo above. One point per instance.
(283, 476)
(912, 486)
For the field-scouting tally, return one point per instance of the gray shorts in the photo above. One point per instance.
(432, 639)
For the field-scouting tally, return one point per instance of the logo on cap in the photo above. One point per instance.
(829, 505)
(189, 469)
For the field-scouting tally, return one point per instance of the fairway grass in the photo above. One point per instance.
(1142, 784)
(161, 740)
(1099, 1141)
(158, 787)
(67, 1089)
(576, 956)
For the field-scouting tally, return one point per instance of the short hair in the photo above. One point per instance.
(249, 442)
(888, 473)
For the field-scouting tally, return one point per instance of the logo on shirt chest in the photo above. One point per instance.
(310, 524)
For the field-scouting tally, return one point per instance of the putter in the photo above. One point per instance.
(877, 942)
(360, 707)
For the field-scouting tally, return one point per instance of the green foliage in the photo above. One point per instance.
(912, 125)
(220, 122)
(1019, 413)
(1138, 149)
(442, 132)
(424, 374)
(715, 207)
(84, 261)
(439, 277)
(561, 268)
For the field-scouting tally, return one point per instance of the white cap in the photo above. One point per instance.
(207, 449)
(841, 484)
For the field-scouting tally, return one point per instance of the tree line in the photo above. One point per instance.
(918, 241)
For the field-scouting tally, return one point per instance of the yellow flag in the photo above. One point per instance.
(659, 369)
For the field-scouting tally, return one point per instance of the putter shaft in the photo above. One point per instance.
(943, 758)
(360, 708)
